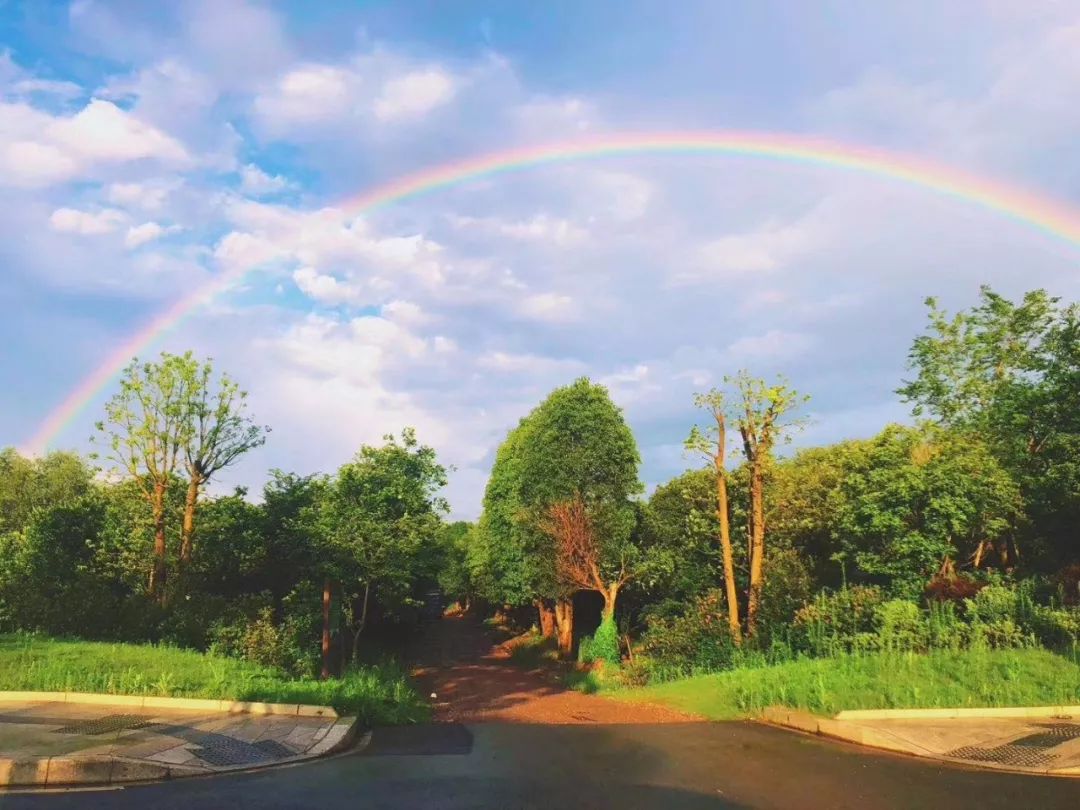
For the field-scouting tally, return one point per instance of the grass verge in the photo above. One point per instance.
(986, 678)
(378, 694)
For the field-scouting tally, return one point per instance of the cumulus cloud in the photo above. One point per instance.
(255, 181)
(146, 232)
(86, 223)
(413, 94)
(37, 148)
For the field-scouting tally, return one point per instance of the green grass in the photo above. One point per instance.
(1027, 677)
(378, 694)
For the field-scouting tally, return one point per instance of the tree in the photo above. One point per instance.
(759, 417)
(381, 516)
(145, 430)
(218, 432)
(1008, 375)
(712, 442)
(576, 444)
(579, 553)
(912, 499)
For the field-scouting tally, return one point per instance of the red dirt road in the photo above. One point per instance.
(474, 682)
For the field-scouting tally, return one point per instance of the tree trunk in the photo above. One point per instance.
(187, 530)
(723, 512)
(326, 630)
(610, 595)
(757, 546)
(160, 573)
(564, 618)
(359, 628)
(546, 610)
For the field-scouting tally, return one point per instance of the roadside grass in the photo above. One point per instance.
(943, 679)
(378, 694)
(531, 651)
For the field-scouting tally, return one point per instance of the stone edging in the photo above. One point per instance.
(190, 704)
(942, 714)
(840, 728)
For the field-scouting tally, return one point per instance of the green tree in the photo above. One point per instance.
(760, 413)
(218, 432)
(912, 499)
(577, 445)
(381, 517)
(145, 431)
(711, 442)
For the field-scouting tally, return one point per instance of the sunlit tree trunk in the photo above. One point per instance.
(187, 528)
(545, 608)
(160, 572)
(564, 618)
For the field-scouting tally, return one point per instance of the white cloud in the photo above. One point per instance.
(542, 227)
(37, 148)
(772, 345)
(514, 363)
(405, 313)
(146, 196)
(758, 252)
(254, 180)
(550, 307)
(85, 223)
(147, 232)
(325, 288)
(414, 94)
(307, 94)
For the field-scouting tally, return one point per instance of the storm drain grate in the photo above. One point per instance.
(1004, 755)
(106, 724)
(223, 751)
(1031, 751)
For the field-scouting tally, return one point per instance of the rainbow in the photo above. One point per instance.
(1026, 207)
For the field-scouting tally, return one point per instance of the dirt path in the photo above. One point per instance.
(474, 682)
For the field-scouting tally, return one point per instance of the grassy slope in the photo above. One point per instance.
(826, 686)
(379, 694)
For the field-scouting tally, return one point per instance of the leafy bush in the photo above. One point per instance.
(994, 615)
(602, 646)
(952, 588)
(902, 626)
(1055, 628)
(698, 641)
(839, 621)
(945, 629)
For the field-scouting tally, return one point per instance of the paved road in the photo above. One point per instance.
(716, 765)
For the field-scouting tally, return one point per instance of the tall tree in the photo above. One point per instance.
(760, 417)
(381, 516)
(219, 431)
(145, 430)
(576, 444)
(712, 442)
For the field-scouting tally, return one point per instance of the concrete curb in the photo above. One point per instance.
(189, 704)
(841, 728)
(43, 773)
(946, 714)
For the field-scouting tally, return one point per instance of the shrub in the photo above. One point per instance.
(1055, 628)
(994, 614)
(698, 641)
(901, 626)
(602, 646)
(839, 621)
(945, 630)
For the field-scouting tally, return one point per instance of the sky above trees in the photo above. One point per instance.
(145, 150)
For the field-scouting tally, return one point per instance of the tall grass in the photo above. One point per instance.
(883, 680)
(378, 694)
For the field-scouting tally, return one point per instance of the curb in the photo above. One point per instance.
(839, 728)
(150, 702)
(949, 714)
(44, 773)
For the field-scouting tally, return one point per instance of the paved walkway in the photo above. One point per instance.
(50, 744)
(474, 682)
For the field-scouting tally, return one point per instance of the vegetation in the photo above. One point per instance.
(377, 694)
(940, 557)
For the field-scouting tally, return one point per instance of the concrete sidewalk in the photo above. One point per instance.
(54, 744)
(1042, 740)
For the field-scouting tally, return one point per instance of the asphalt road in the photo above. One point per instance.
(716, 765)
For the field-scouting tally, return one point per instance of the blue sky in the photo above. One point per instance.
(146, 148)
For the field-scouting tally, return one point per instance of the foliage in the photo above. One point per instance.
(970, 678)
(698, 640)
(840, 621)
(603, 645)
(378, 694)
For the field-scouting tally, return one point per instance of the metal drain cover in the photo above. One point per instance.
(1032, 750)
(222, 751)
(106, 724)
